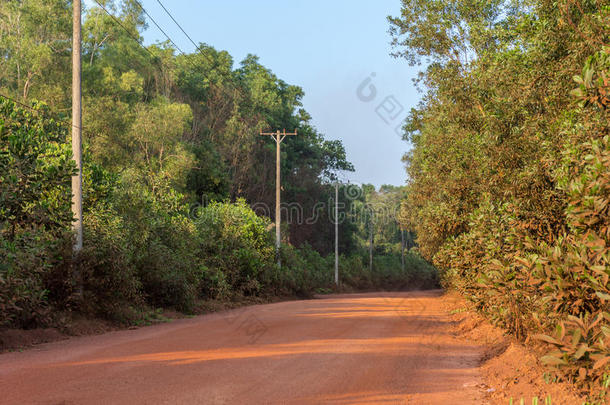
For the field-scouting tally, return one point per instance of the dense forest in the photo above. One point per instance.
(178, 183)
(509, 175)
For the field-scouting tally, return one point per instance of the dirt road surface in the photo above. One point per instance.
(379, 348)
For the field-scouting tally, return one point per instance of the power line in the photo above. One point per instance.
(131, 35)
(179, 26)
(160, 61)
(33, 109)
(18, 102)
(117, 21)
(154, 22)
(135, 38)
(197, 47)
(159, 27)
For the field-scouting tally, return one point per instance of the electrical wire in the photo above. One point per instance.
(33, 109)
(157, 25)
(135, 38)
(179, 26)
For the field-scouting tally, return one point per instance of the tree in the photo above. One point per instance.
(34, 42)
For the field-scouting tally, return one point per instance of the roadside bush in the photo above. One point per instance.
(577, 267)
(23, 296)
(163, 242)
(303, 272)
(35, 168)
(354, 273)
(509, 172)
(318, 271)
(557, 292)
(140, 250)
(544, 281)
(169, 269)
(387, 272)
(109, 274)
(421, 274)
(236, 248)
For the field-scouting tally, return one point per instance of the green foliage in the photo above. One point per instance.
(26, 258)
(209, 181)
(509, 174)
(236, 243)
(303, 272)
(31, 54)
(109, 273)
(387, 272)
(594, 83)
(35, 167)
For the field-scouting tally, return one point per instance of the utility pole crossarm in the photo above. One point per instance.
(279, 135)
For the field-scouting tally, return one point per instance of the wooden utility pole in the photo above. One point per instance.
(278, 137)
(77, 180)
(337, 234)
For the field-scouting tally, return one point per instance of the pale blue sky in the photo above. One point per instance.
(327, 47)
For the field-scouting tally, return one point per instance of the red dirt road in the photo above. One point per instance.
(345, 349)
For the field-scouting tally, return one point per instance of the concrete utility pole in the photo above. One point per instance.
(77, 180)
(371, 245)
(278, 137)
(337, 234)
(402, 249)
